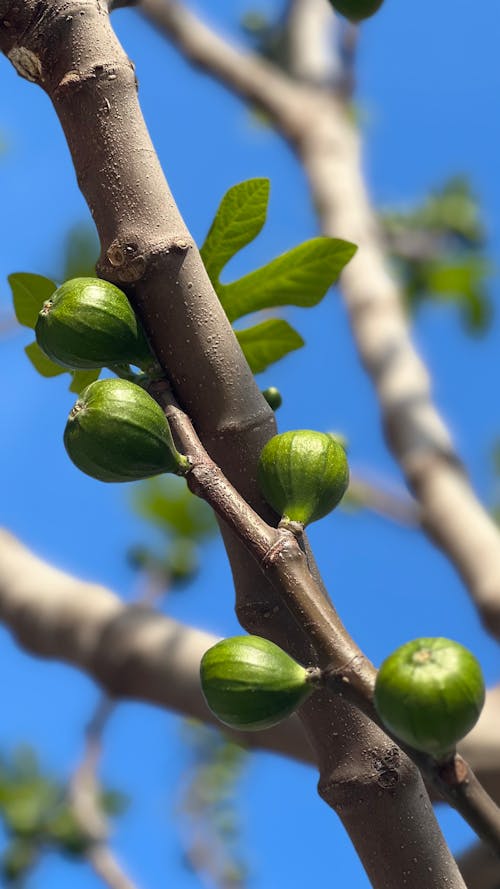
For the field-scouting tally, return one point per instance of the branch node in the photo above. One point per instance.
(280, 546)
(26, 63)
(126, 260)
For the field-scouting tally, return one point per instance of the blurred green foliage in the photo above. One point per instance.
(37, 816)
(208, 810)
(438, 248)
(185, 523)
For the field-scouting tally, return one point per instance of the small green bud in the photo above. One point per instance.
(250, 683)
(273, 397)
(429, 693)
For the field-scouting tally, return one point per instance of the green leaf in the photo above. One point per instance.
(239, 219)
(266, 343)
(41, 363)
(300, 277)
(83, 378)
(463, 282)
(29, 293)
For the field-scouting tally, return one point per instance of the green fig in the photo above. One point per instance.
(117, 433)
(250, 683)
(429, 693)
(356, 10)
(303, 475)
(89, 323)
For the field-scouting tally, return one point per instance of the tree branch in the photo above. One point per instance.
(317, 125)
(54, 615)
(146, 248)
(130, 651)
(348, 673)
(84, 797)
(479, 868)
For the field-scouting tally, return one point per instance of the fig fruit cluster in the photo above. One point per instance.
(250, 683)
(303, 475)
(430, 693)
(115, 432)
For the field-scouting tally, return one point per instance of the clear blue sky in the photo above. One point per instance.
(428, 86)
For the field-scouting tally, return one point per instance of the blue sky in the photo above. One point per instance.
(428, 87)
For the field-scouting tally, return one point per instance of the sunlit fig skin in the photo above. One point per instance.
(356, 10)
(250, 683)
(89, 323)
(303, 475)
(117, 433)
(429, 693)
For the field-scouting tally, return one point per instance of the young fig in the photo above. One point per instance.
(117, 433)
(429, 693)
(89, 323)
(356, 10)
(303, 475)
(250, 683)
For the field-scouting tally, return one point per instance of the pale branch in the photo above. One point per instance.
(72, 52)
(54, 615)
(106, 866)
(383, 498)
(318, 126)
(312, 33)
(130, 652)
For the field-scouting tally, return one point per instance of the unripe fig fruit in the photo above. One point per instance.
(356, 10)
(429, 693)
(89, 323)
(303, 475)
(250, 683)
(273, 397)
(117, 433)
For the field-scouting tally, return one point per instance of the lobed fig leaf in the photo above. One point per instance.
(117, 433)
(250, 683)
(429, 693)
(89, 323)
(303, 475)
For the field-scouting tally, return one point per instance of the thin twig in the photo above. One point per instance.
(84, 792)
(84, 787)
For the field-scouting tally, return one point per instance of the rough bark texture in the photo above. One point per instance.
(70, 49)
